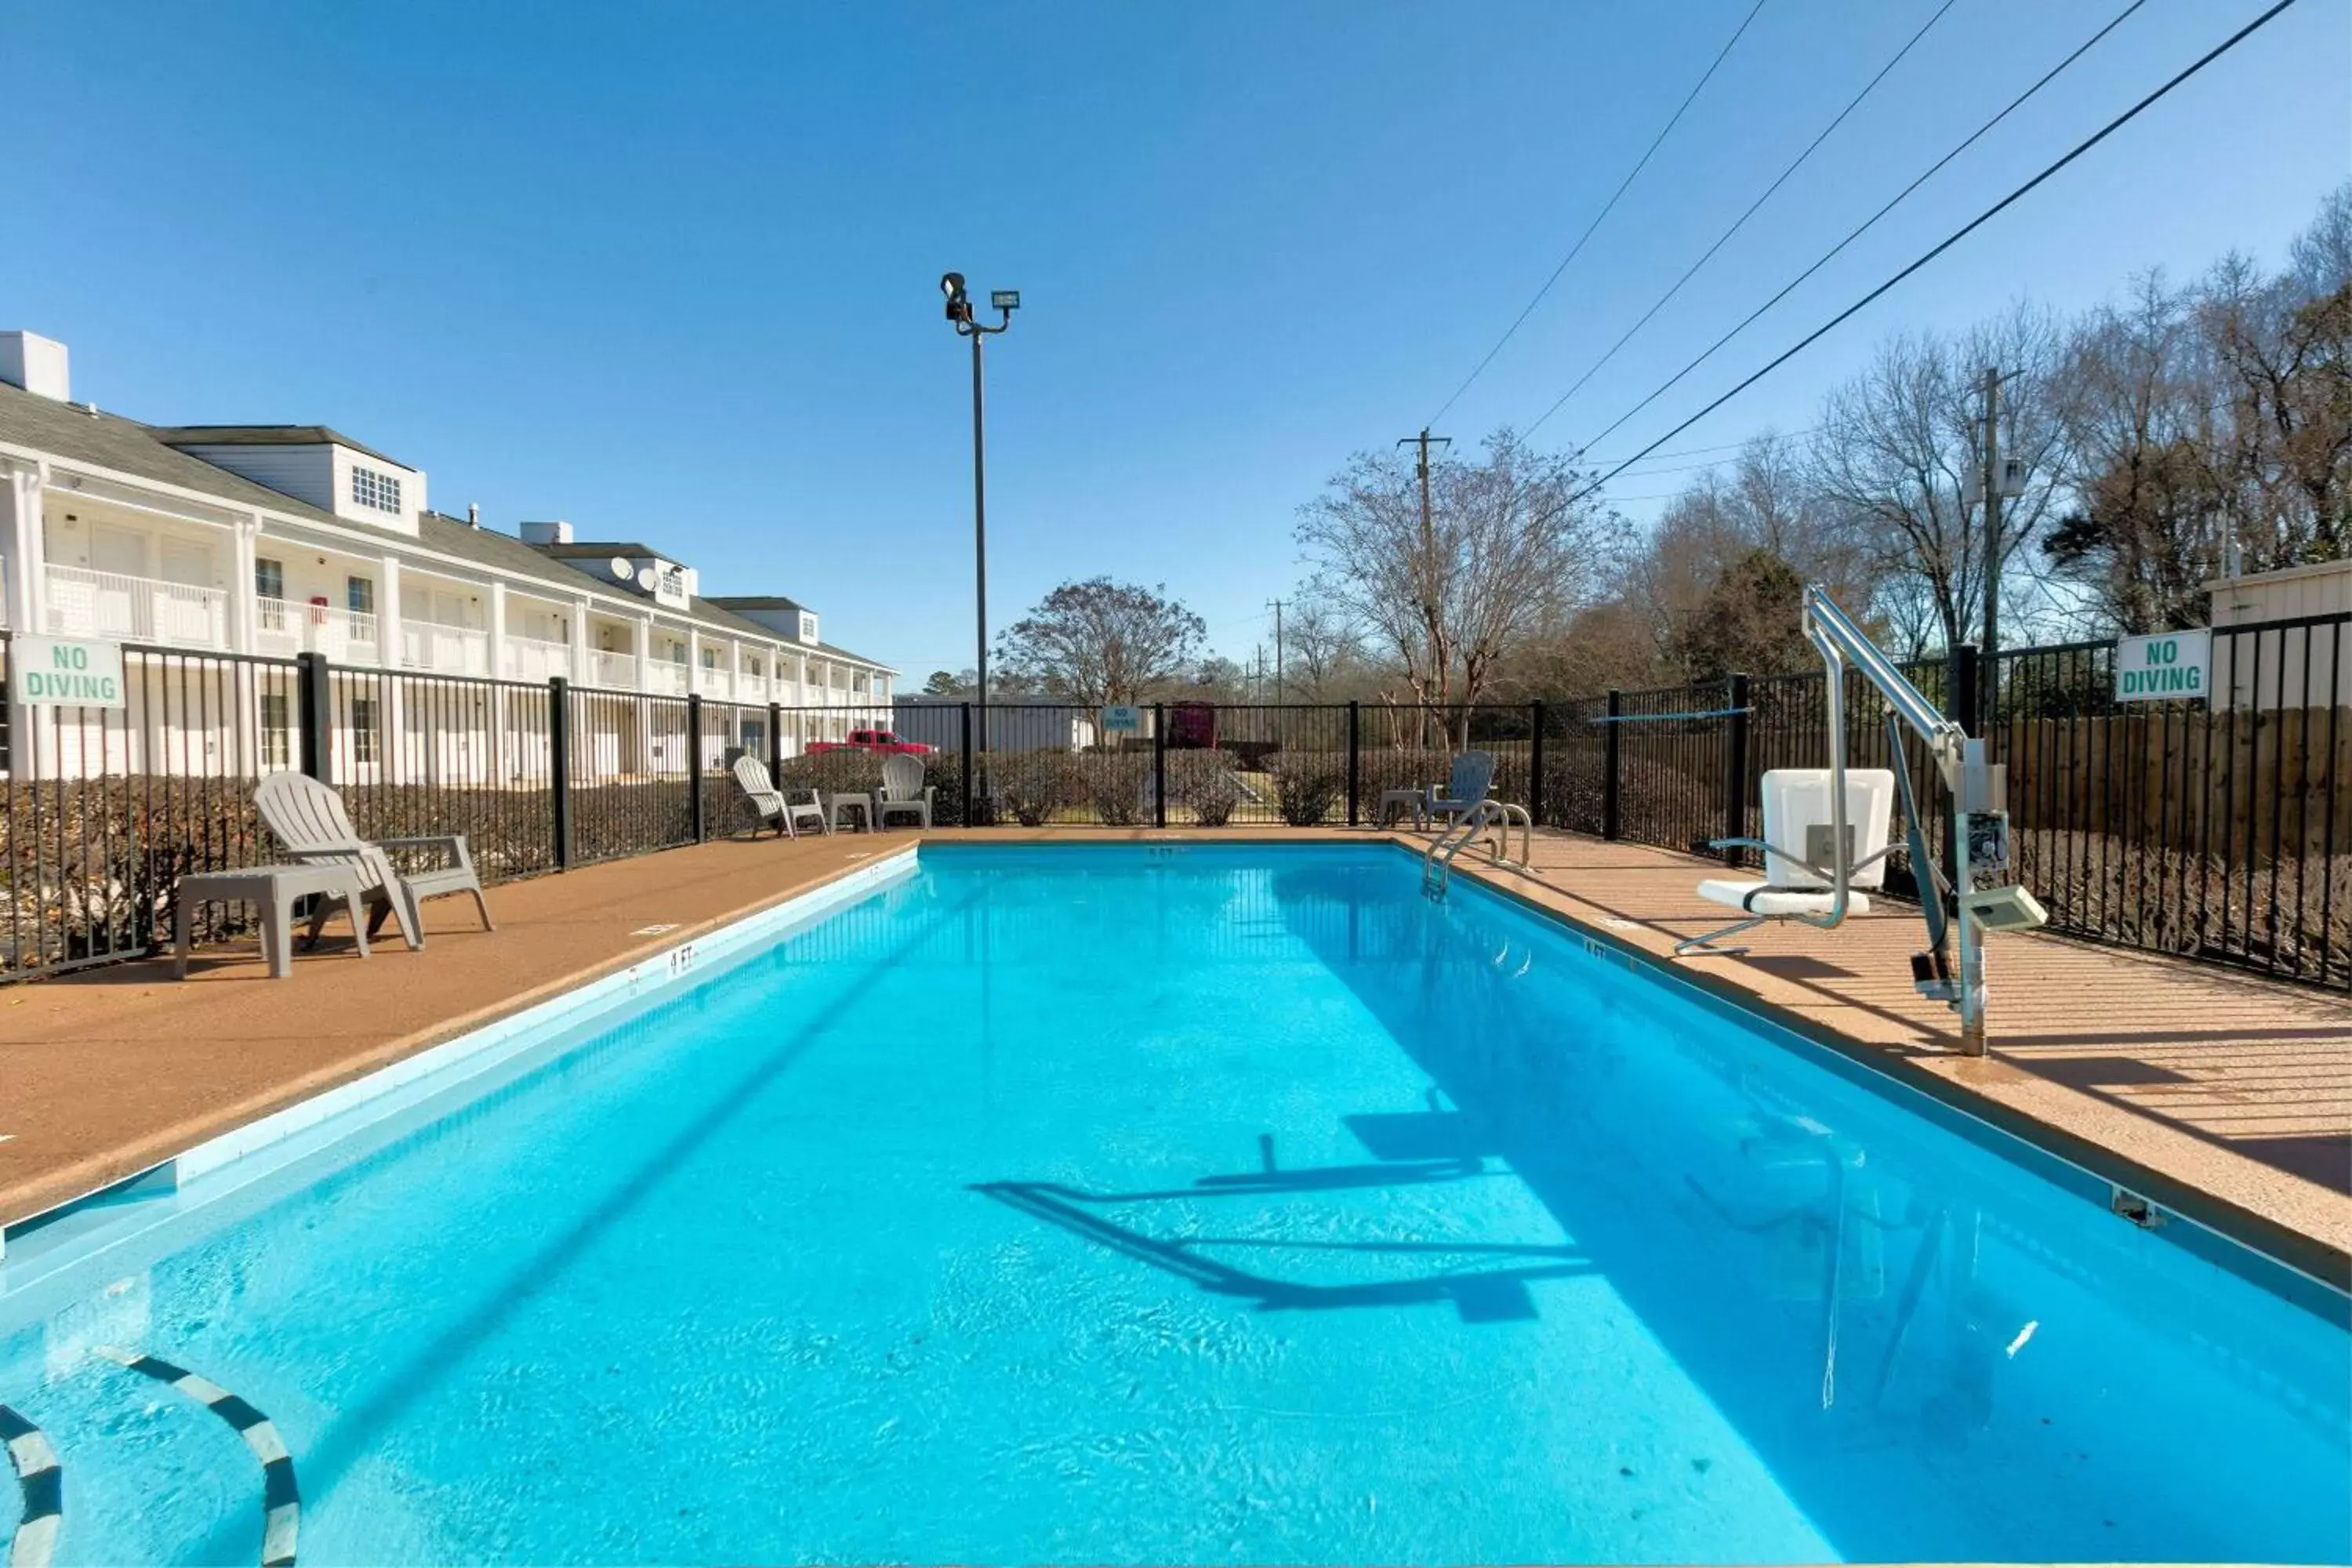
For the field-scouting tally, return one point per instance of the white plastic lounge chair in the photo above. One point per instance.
(1800, 852)
(774, 805)
(309, 821)
(1472, 776)
(903, 791)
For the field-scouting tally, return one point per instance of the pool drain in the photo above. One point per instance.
(42, 1484)
(281, 1504)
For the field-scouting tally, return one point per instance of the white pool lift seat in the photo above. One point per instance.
(1799, 848)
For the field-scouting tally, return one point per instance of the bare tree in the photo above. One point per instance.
(1898, 448)
(1325, 648)
(1512, 543)
(1100, 641)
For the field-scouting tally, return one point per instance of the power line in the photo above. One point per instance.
(1622, 185)
(1871, 221)
(1726, 446)
(1741, 221)
(2109, 129)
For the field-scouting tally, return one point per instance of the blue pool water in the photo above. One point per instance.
(1145, 1205)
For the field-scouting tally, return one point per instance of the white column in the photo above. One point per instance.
(580, 670)
(498, 629)
(391, 650)
(735, 670)
(25, 547)
(244, 611)
(641, 640)
(693, 659)
(25, 544)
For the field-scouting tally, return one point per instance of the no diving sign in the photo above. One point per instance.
(2166, 667)
(65, 672)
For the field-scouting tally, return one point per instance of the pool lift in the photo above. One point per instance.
(1980, 899)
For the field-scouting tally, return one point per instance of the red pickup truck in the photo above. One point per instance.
(881, 740)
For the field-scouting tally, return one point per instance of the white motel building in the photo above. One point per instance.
(278, 540)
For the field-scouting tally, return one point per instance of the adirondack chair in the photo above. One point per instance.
(776, 806)
(1472, 776)
(309, 821)
(903, 791)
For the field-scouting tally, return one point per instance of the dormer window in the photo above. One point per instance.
(808, 625)
(376, 490)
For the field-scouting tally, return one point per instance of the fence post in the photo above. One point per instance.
(1160, 762)
(1734, 766)
(317, 699)
(776, 744)
(1535, 764)
(1611, 821)
(1355, 753)
(559, 765)
(694, 766)
(968, 820)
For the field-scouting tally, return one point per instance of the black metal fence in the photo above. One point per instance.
(2213, 828)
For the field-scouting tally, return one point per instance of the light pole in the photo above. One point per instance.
(1004, 301)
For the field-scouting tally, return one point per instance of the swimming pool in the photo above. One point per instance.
(1162, 1203)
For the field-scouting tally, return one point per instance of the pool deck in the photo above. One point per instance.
(2219, 1095)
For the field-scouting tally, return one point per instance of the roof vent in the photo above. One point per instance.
(547, 533)
(36, 364)
(473, 515)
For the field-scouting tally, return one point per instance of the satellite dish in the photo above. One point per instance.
(621, 568)
(645, 579)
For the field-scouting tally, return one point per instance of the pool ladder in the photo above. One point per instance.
(1501, 816)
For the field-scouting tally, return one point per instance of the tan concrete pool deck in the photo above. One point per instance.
(2221, 1096)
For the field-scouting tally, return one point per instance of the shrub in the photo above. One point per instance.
(1033, 785)
(1307, 785)
(1203, 784)
(833, 771)
(1120, 784)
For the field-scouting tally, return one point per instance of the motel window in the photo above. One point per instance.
(270, 578)
(363, 730)
(709, 657)
(358, 596)
(379, 491)
(277, 731)
(808, 627)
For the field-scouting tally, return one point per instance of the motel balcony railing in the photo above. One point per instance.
(614, 671)
(713, 683)
(444, 650)
(666, 678)
(85, 604)
(346, 637)
(536, 659)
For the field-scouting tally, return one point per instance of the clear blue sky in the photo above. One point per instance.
(670, 271)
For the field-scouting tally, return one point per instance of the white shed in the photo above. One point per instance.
(2309, 662)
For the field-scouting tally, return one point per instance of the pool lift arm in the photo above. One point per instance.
(1979, 824)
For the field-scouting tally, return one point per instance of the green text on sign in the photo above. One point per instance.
(2163, 667)
(65, 672)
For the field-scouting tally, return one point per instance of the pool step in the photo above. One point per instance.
(281, 1502)
(41, 1483)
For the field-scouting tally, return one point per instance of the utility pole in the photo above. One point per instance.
(1278, 648)
(1990, 668)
